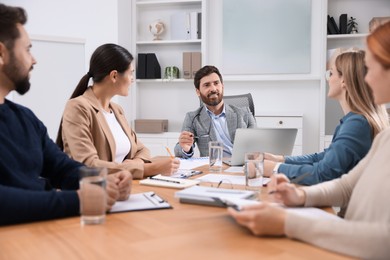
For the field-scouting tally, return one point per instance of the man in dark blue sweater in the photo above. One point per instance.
(37, 180)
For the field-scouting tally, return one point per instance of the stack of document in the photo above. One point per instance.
(211, 196)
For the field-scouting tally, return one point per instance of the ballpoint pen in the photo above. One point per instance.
(159, 179)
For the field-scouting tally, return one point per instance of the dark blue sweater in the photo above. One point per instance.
(30, 162)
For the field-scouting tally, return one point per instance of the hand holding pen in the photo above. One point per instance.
(285, 191)
(186, 139)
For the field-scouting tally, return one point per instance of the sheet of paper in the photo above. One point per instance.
(230, 179)
(192, 163)
(140, 201)
(235, 169)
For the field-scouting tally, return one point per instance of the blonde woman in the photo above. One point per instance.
(365, 231)
(352, 139)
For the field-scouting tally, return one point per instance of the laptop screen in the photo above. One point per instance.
(277, 141)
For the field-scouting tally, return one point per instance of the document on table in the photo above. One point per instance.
(187, 165)
(168, 182)
(230, 179)
(141, 201)
(191, 163)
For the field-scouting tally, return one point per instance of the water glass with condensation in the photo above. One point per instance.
(215, 156)
(254, 169)
(93, 198)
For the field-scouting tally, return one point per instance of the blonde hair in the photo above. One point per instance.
(359, 95)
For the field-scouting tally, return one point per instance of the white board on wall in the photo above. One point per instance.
(60, 66)
(266, 37)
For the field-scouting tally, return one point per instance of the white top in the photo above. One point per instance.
(365, 233)
(122, 142)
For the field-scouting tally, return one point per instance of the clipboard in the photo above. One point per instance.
(169, 182)
(141, 201)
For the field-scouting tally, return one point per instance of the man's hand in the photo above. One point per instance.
(186, 139)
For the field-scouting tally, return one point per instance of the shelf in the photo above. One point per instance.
(276, 77)
(169, 42)
(167, 2)
(155, 81)
(347, 36)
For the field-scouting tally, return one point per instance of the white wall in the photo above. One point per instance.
(95, 21)
(73, 30)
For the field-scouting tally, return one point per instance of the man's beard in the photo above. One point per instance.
(13, 72)
(215, 102)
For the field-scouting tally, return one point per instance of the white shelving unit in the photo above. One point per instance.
(169, 53)
(363, 11)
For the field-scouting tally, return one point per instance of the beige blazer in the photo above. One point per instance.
(88, 139)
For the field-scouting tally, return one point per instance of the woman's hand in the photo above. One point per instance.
(273, 157)
(282, 190)
(164, 166)
(262, 219)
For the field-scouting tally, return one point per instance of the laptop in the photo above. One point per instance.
(277, 141)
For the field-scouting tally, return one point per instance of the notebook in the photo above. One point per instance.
(277, 141)
(168, 182)
(141, 201)
(211, 196)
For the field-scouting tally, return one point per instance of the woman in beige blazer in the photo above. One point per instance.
(94, 130)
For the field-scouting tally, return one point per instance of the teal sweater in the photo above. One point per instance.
(351, 141)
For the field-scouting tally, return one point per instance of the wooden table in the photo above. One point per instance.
(184, 232)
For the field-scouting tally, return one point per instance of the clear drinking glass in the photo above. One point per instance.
(254, 169)
(93, 195)
(215, 156)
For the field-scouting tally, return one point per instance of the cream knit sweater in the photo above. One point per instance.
(365, 232)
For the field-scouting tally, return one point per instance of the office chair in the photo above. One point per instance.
(243, 100)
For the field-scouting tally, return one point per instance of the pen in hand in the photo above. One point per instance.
(169, 151)
(294, 181)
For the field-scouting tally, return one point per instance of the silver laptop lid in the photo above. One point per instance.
(277, 141)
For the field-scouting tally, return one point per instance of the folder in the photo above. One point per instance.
(141, 68)
(331, 26)
(343, 21)
(211, 196)
(187, 73)
(196, 62)
(141, 201)
(199, 25)
(153, 68)
(194, 25)
(180, 26)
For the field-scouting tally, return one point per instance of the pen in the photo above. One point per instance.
(158, 179)
(169, 151)
(300, 177)
(295, 181)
